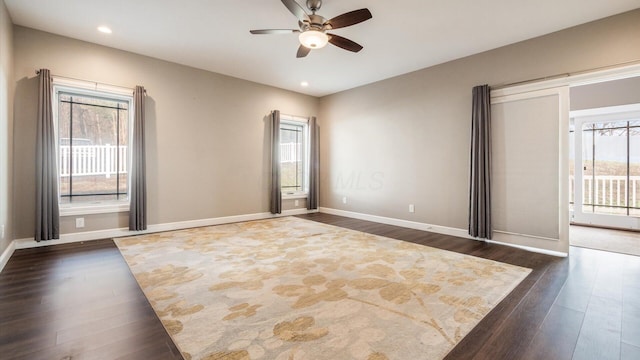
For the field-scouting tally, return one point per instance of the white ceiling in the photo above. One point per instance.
(403, 36)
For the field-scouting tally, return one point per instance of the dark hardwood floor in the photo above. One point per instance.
(80, 301)
(77, 301)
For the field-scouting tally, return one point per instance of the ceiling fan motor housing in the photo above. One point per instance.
(314, 5)
(316, 23)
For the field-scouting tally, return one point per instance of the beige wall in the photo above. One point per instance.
(610, 93)
(6, 126)
(405, 140)
(383, 146)
(206, 133)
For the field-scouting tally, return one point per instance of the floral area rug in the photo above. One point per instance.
(294, 289)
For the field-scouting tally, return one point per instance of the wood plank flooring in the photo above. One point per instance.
(77, 301)
(80, 301)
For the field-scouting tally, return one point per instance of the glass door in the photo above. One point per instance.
(572, 166)
(607, 179)
(634, 168)
(606, 167)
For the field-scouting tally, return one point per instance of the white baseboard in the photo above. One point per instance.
(113, 233)
(462, 233)
(514, 238)
(529, 248)
(6, 254)
(399, 222)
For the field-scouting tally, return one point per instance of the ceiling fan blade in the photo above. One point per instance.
(296, 10)
(350, 18)
(303, 51)
(273, 31)
(344, 43)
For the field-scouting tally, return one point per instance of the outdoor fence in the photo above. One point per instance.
(606, 190)
(93, 160)
(106, 160)
(290, 152)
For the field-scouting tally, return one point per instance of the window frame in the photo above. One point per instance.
(90, 89)
(304, 122)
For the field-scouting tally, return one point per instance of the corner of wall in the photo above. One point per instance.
(6, 128)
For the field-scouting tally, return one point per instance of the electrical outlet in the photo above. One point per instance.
(344, 199)
(296, 202)
(412, 208)
(79, 223)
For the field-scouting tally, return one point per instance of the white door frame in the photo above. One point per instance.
(581, 117)
(585, 78)
(559, 246)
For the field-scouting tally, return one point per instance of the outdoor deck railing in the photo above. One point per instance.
(97, 160)
(608, 190)
(93, 160)
(290, 152)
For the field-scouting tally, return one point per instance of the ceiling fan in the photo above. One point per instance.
(313, 27)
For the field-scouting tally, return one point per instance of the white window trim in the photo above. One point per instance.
(297, 195)
(98, 208)
(93, 89)
(297, 120)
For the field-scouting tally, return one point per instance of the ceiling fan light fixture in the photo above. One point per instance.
(313, 39)
(313, 27)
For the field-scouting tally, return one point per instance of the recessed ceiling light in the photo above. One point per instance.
(104, 29)
(304, 84)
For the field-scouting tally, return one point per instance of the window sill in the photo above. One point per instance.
(294, 196)
(87, 209)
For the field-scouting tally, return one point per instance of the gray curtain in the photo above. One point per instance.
(276, 193)
(138, 191)
(480, 179)
(47, 212)
(314, 164)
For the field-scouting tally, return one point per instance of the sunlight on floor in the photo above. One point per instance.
(627, 242)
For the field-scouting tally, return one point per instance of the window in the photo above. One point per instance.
(294, 155)
(93, 132)
(611, 166)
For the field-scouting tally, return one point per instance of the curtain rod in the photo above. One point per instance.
(95, 82)
(557, 76)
